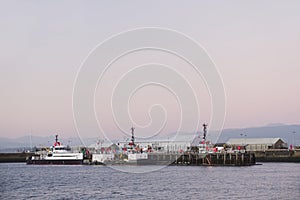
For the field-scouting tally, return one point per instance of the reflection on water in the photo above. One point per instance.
(267, 181)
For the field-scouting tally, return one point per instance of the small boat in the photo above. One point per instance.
(58, 154)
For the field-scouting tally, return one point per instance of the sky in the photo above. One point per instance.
(255, 46)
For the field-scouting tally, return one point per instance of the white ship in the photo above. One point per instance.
(57, 155)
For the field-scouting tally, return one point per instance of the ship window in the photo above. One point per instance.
(59, 148)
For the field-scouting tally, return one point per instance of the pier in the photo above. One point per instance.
(278, 155)
(189, 158)
(217, 159)
(14, 157)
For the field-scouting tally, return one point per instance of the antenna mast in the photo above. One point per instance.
(56, 140)
(132, 135)
(204, 131)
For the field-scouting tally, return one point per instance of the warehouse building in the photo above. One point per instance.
(178, 143)
(258, 144)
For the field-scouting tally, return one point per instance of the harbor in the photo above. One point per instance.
(197, 151)
(185, 159)
(260, 156)
(200, 152)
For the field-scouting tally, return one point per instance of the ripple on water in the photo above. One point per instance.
(267, 181)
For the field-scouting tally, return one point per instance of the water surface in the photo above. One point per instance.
(267, 181)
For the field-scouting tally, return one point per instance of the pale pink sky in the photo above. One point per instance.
(254, 45)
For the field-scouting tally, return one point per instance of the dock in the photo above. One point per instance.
(278, 155)
(218, 159)
(188, 158)
(14, 157)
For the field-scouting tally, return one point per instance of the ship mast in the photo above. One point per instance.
(56, 140)
(204, 131)
(132, 136)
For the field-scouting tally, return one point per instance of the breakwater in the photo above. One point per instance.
(187, 158)
(277, 155)
(14, 157)
(190, 158)
(218, 159)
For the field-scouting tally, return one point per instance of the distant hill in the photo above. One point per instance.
(289, 133)
(26, 142)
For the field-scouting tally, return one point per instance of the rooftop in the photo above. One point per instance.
(269, 141)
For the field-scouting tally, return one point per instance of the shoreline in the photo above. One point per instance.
(261, 156)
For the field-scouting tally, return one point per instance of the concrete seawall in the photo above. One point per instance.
(14, 157)
(194, 159)
(191, 158)
(280, 155)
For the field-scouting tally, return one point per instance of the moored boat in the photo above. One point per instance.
(58, 154)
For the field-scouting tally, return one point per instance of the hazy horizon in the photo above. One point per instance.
(254, 46)
(75, 135)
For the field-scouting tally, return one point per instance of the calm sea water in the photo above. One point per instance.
(267, 181)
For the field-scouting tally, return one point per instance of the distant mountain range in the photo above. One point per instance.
(289, 133)
(27, 142)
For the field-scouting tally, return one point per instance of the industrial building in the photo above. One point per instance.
(258, 144)
(176, 143)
